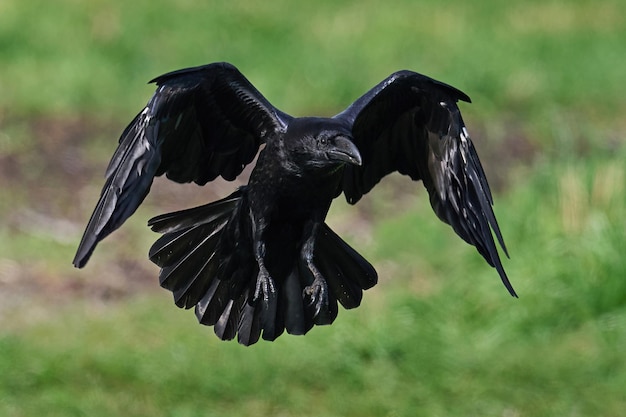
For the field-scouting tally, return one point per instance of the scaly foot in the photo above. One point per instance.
(265, 287)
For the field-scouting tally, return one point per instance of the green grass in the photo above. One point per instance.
(439, 335)
(524, 58)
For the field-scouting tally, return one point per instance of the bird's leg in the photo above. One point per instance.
(265, 288)
(317, 292)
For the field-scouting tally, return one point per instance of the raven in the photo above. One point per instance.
(263, 260)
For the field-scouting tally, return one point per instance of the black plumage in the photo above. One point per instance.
(263, 260)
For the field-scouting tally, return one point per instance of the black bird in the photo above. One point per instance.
(263, 260)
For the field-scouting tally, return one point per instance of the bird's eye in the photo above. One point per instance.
(323, 141)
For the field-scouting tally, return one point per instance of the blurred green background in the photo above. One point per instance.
(439, 335)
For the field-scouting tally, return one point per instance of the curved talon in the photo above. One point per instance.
(317, 293)
(264, 285)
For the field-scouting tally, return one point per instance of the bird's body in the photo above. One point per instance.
(262, 260)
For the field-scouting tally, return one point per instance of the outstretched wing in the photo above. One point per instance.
(201, 123)
(411, 123)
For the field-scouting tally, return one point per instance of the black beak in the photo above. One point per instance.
(344, 150)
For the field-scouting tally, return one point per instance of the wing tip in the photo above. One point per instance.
(82, 255)
(505, 278)
(511, 290)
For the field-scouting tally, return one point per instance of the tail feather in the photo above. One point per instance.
(271, 318)
(297, 321)
(211, 306)
(184, 219)
(249, 326)
(226, 326)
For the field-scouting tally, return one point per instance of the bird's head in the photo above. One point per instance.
(320, 143)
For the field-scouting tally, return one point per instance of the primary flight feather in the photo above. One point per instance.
(263, 260)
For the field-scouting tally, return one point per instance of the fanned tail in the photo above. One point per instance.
(206, 261)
